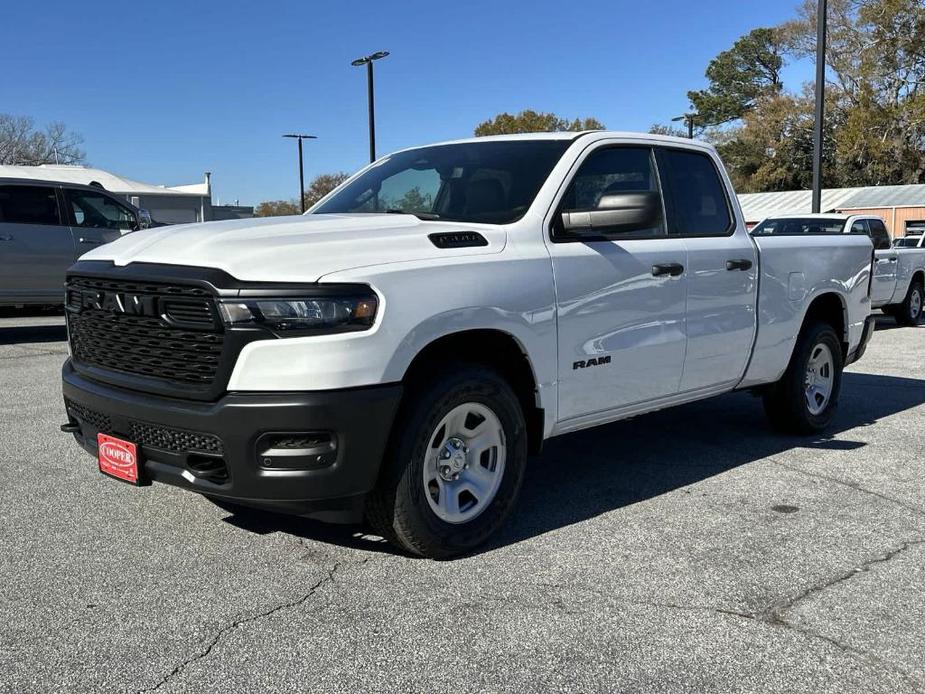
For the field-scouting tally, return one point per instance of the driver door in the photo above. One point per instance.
(97, 218)
(621, 296)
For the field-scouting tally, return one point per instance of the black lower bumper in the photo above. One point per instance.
(866, 334)
(235, 448)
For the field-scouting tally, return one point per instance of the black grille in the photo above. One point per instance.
(176, 440)
(97, 420)
(182, 344)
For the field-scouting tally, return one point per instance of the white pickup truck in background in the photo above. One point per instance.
(400, 349)
(899, 269)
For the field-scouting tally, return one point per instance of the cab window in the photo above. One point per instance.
(879, 235)
(29, 205)
(605, 175)
(697, 197)
(99, 211)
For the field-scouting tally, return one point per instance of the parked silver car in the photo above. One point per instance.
(45, 226)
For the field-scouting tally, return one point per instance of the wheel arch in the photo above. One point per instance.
(832, 308)
(498, 349)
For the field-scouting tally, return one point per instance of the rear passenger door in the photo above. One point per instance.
(36, 247)
(885, 262)
(722, 269)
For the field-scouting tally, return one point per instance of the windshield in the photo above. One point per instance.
(493, 182)
(795, 226)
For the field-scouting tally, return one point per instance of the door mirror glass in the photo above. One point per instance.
(144, 219)
(617, 213)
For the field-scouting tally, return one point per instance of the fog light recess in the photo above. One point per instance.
(309, 450)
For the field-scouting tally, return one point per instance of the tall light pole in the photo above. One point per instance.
(820, 105)
(301, 169)
(689, 117)
(368, 62)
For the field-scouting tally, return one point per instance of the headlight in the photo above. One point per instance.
(293, 316)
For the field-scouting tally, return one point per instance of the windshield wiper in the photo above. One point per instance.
(419, 215)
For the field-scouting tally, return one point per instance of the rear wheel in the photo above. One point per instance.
(909, 312)
(455, 464)
(804, 400)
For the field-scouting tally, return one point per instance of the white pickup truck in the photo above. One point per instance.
(398, 351)
(898, 284)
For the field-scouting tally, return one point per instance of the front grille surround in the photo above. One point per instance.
(160, 337)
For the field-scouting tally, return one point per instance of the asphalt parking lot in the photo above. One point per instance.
(691, 550)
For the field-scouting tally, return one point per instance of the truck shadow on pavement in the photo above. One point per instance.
(583, 475)
(32, 334)
(15, 328)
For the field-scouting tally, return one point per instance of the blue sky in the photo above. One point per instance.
(162, 91)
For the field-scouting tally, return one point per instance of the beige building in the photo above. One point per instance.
(901, 207)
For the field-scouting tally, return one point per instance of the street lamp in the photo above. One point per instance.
(301, 169)
(368, 62)
(689, 117)
(820, 105)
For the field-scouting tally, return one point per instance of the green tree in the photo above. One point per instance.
(664, 129)
(413, 201)
(740, 77)
(319, 187)
(276, 208)
(530, 121)
(322, 185)
(875, 54)
(22, 143)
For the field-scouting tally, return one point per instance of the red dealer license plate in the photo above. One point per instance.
(118, 458)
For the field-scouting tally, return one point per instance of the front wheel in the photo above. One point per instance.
(909, 312)
(804, 400)
(455, 464)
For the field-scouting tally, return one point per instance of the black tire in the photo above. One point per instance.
(909, 312)
(785, 401)
(398, 509)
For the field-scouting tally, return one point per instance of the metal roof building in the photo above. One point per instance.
(897, 205)
(169, 204)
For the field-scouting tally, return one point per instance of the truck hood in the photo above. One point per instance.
(294, 249)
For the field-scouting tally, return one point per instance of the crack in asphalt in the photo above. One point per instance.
(851, 485)
(204, 653)
(774, 615)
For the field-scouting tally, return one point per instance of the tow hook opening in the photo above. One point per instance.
(207, 467)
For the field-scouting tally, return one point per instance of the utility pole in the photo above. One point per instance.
(689, 118)
(301, 168)
(820, 105)
(370, 96)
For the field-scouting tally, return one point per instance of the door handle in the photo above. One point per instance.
(739, 264)
(92, 242)
(6, 238)
(670, 269)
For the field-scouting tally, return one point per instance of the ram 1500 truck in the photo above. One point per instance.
(898, 285)
(398, 351)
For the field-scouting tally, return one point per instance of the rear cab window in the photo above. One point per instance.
(799, 226)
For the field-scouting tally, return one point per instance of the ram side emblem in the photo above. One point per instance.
(594, 361)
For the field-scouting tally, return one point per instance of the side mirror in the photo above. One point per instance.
(617, 213)
(144, 219)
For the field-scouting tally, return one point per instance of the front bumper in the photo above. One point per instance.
(866, 334)
(212, 448)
